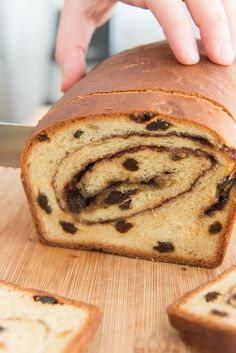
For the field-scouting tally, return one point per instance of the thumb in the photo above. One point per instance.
(73, 66)
(74, 35)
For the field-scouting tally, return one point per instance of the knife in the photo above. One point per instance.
(12, 140)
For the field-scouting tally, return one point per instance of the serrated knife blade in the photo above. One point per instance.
(12, 140)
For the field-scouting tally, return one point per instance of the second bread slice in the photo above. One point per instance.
(206, 317)
(35, 322)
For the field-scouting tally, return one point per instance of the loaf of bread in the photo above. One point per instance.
(138, 159)
(206, 317)
(35, 322)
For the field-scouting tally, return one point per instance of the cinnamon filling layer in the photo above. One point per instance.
(120, 177)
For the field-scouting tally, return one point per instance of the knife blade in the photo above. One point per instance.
(12, 140)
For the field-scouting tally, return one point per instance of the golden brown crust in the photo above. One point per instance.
(207, 339)
(79, 343)
(155, 67)
(138, 254)
(207, 335)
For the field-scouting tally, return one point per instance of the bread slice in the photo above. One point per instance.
(139, 159)
(37, 322)
(206, 317)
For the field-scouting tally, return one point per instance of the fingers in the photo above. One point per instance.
(230, 9)
(73, 67)
(74, 35)
(173, 17)
(216, 20)
(211, 18)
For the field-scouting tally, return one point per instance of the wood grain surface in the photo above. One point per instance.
(133, 294)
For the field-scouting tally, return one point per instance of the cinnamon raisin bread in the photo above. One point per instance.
(206, 317)
(138, 159)
(36, 322)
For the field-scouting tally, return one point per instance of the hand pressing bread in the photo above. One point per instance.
(215, 19)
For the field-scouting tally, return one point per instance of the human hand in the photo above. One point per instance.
(216, 20)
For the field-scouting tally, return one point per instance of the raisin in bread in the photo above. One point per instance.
(206, 317)
(138, 159)
(36, 322)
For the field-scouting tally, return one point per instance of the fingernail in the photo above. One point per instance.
(191, 53)
(226, 52)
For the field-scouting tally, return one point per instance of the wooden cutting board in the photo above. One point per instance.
(133, 294)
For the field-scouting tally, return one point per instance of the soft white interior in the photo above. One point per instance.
(30, 326)
(198, 305)
(146, 197)
(52, 164)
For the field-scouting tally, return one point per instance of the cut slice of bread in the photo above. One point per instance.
(32, 321)
(206, 317)
(145, 172)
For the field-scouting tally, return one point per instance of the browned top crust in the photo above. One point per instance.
(155, 67)
(149, 78)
